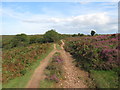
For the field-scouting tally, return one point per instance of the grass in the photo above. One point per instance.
(21, 82)
(54, 68)
(46, 84)
(58, 47)
(105, 79)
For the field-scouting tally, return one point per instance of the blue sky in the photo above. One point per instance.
(64, 17)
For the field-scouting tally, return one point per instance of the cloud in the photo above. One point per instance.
(32, 23)
(101, 22)
(97, 18)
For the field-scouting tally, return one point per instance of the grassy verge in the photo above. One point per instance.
(53, 72)
(104, 79)
(58, 47)
(46, 84)
(21, 82)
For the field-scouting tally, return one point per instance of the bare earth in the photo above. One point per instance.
(39, 72)
(74, 77)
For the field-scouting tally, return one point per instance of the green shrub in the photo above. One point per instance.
(51, 36)
(23, 72)
(20, 40)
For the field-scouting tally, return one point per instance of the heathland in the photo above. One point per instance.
(55, 60)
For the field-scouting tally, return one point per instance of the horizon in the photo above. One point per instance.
(65, 17)
(59, 33)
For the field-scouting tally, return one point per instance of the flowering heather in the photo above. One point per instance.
(54, 69)
(96, 51)
(57, 59)
(109, 55)
(54, 77)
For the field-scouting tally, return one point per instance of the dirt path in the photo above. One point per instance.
(39, 72)
(74, 77)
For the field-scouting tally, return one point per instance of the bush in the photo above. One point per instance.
(20, 40)
(36, 40)
(51, 36)
(33, 40)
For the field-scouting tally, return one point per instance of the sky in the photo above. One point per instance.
(65, 17)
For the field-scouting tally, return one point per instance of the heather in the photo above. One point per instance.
(95, 52)
(53, 72)
(54, 68)
(97, 55)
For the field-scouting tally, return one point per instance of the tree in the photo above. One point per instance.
(51, 36)
(92, 33)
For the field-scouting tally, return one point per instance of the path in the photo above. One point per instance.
(74, 77)
(39, 72)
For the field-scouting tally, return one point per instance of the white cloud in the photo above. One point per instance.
(97, 18)
(32, 24)
(82, 23)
